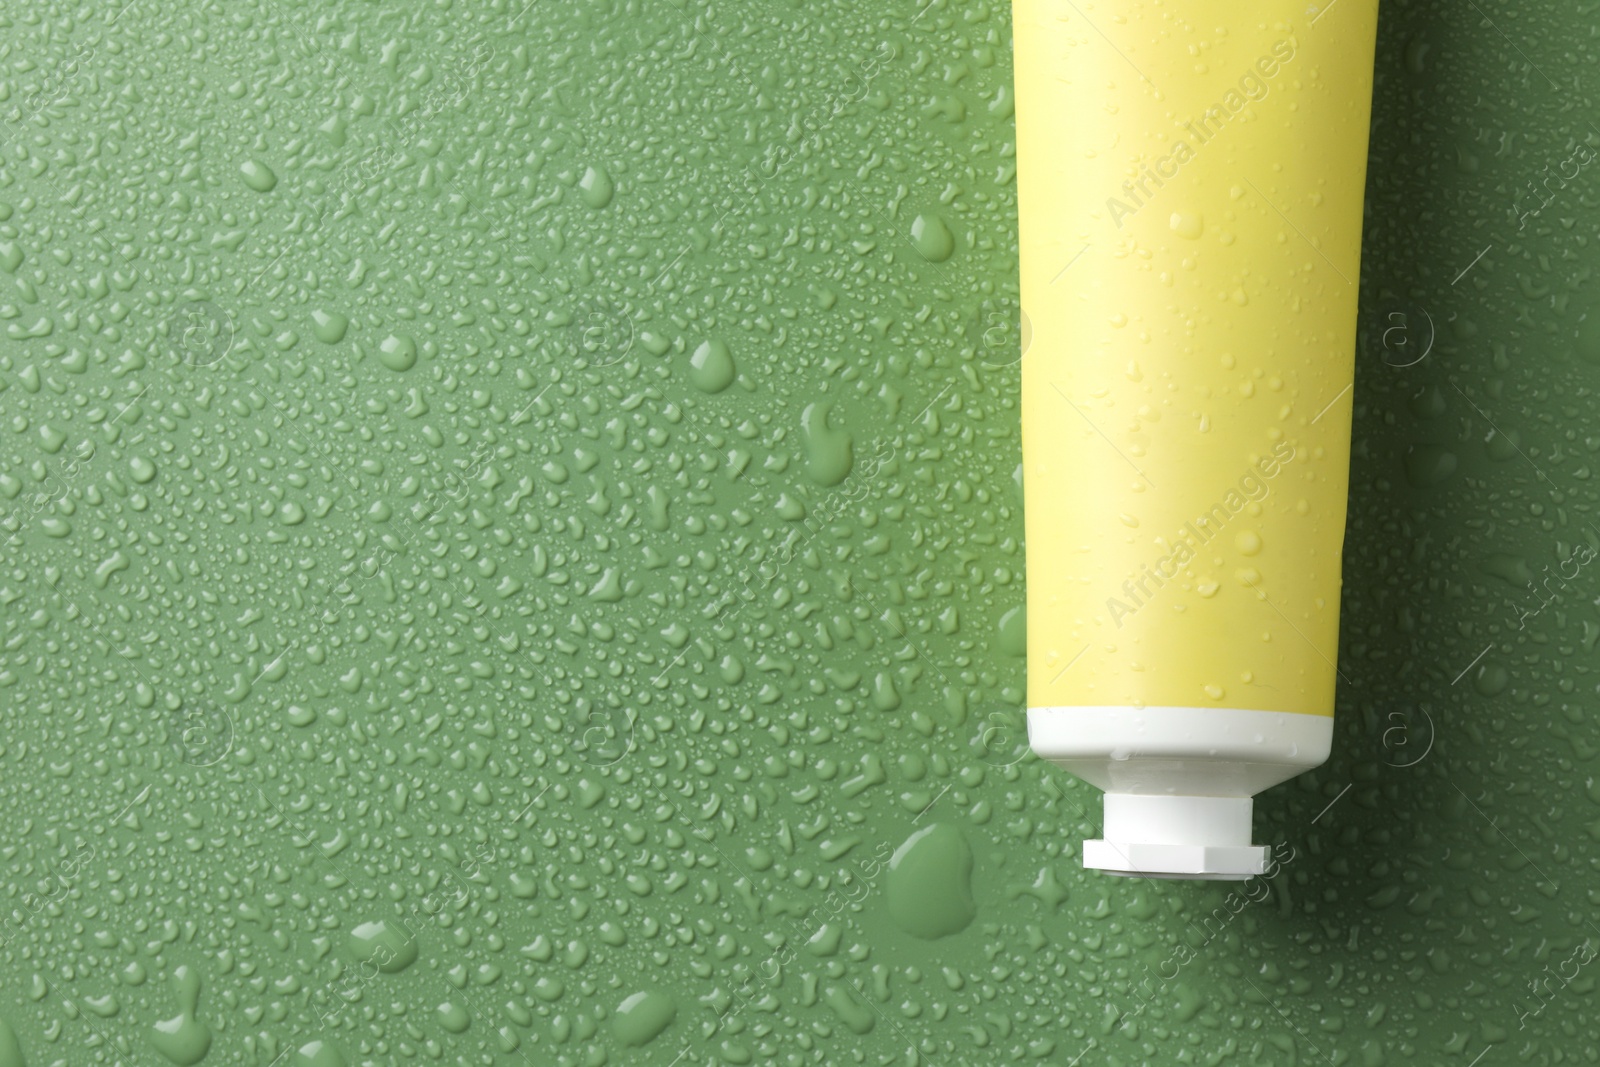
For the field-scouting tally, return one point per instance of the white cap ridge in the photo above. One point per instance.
(1177, 837)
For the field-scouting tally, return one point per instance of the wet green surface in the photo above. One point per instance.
(512, 549)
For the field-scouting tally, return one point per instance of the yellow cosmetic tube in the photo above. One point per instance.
(1190, 198)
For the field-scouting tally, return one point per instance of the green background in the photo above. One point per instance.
(513, 554)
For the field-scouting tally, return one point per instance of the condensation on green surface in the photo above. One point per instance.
(513, 555)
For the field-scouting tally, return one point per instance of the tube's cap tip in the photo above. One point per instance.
(1168, 836)
(1206, 862)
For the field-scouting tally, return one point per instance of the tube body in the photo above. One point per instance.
(1190, 191)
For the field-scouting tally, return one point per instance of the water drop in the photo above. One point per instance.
(642, 1017)
(595, 187)
(328, 327)
(1188, 224)
(711, 367)
(258, 175)
(932, 238)
(929, 883)
(398, 352)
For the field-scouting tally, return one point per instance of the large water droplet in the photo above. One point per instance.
(387, 945)
(183, 1039)
(258, 176)
(929, 883)
(642, 1017)
(398, 352)
(711, 367)
(932, 238)
(595, 187)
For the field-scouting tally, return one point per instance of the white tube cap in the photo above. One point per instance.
(1177, 837)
